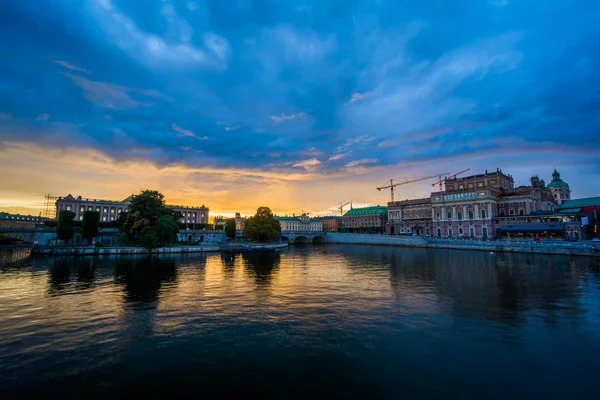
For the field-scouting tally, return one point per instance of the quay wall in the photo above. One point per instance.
(384, 240)
(92, 251)
(561, 248)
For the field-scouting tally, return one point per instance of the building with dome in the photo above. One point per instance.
(560, 189)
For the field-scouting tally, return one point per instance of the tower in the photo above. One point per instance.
(560, 189)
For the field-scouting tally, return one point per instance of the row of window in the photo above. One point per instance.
(459, 215)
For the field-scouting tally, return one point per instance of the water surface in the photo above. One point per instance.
(335, 320)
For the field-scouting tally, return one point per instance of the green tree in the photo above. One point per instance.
(149, 238)
(230, 228)
(64, 227)
(122, 239)
(145, 210)
(166, 229)
(262, 226)
(89, 225)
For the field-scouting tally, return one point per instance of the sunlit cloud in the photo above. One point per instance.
(361, 162)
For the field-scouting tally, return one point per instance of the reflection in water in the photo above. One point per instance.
(340, 321)
(261, 266)
(142, 277)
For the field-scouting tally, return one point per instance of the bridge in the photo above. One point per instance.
(303, 236)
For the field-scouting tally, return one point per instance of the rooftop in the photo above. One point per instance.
(367, 211)
(587, 201)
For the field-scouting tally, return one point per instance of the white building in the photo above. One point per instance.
(301, 223)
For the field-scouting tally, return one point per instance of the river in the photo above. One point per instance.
(315, 321)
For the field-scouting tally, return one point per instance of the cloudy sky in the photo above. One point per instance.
(297, 105)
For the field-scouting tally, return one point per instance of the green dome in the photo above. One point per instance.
(557, 183)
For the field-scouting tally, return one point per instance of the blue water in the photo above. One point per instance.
(327, 321)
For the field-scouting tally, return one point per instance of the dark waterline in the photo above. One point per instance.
(324, 321)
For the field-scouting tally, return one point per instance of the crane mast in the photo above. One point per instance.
(392, 185)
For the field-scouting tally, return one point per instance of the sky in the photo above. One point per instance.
(295, 105)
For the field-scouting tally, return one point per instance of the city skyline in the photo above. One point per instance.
(295, 106)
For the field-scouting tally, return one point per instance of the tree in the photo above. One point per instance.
(148, 209)
(64, 227)
(149, 238)
(89, 224)
(122, 239)
(166, 229)
(262, 226)
(230, 228)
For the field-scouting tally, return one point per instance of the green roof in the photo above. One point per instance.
(367, 211)
(557, 182)
(587, 201)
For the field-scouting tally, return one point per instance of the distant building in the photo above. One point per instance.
(219, 222)
(331, 223)
(409, 216)
(372, 219)
(560, 189)
(8, 220)
(240, 222)
(110, 209)
(468, 206)
(301, 223)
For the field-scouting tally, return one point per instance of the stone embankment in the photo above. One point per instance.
(382, 240)
(564, 248)
(93, 251)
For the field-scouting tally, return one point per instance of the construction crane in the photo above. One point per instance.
(440, 180)
(341, 207)
(392, 185)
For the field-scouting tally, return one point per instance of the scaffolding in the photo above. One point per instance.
(50, 206)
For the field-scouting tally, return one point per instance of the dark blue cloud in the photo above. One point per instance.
(269, 84)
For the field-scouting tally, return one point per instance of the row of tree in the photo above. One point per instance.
(148, 221)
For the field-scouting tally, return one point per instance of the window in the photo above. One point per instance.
(484, 232)
(483, 214)
(449, 232)
(470, 214)
(460, 231)
(439, 232)
(511, 212)
(449, 214)
(459, 215)
(104, 210)
(511, 204)
(112, 210)
(437, 216)
(103, 218)
(520, 203)
(521, 212)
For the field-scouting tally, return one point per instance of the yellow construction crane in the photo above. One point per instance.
(392, 185)
(442, 180)
(341, 207)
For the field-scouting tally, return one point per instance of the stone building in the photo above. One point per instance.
(469, 205)
(409, 216)
(560, 189)
(301, 223)
(219, 222)
(8, 220)
(331, 223)
(110, 209)
(372, 219)
(240, 222)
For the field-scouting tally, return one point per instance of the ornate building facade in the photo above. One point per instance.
(301, 223)
(409, 216)
(469, 206)
(110, 209)
(365, 219)
(560, 189)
